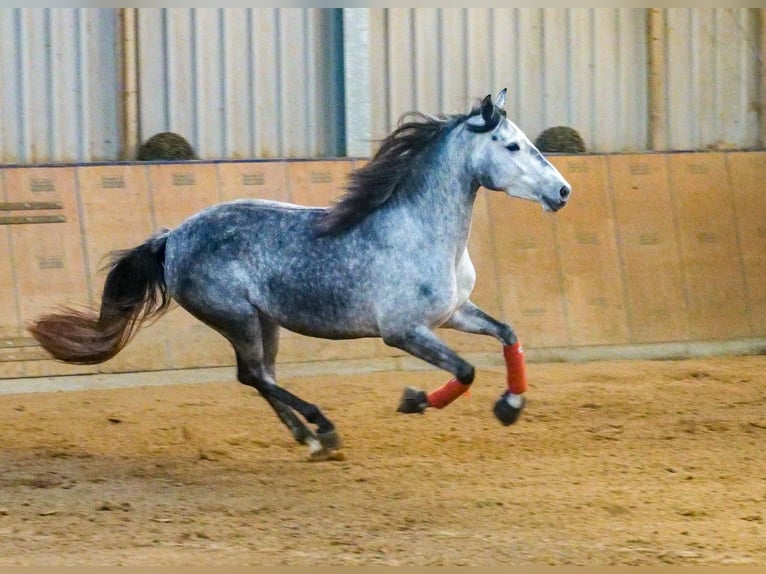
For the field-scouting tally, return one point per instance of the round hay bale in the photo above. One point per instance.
(166, 146)
(561, 139)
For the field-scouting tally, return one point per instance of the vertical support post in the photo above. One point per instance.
(129, 74)
(657, 77)
(356, 80)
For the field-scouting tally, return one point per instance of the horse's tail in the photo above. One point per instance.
(134, 292)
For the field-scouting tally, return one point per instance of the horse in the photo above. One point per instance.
(387, 259)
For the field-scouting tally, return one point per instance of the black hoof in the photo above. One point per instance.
(330, 440)
(507, 413)
(413, 401)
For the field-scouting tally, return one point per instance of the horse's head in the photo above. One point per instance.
(506, 160)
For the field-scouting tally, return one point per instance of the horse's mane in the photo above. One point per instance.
(373, 184)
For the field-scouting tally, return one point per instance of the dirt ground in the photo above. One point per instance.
(628, 462)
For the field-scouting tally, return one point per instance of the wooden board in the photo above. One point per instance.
(649, 249)
(295, 348)
(49, 259)
(11, 364)
(747, 172)
(9, 318)
(592, 283)
(611, 268)
(703, 205)
(317, 183)
(257, 180)
(117, 215)
(179, 191)
(48, 256)
(528, 273)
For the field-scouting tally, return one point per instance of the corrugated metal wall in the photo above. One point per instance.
(713, 98)
(58, 85)
(243, 82)
(581, 67)
(269, 82)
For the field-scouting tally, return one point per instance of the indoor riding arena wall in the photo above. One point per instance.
(656, 255)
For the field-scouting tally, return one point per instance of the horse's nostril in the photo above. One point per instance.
(565, 191)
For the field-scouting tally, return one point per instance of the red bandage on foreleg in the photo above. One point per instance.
(444, 395)
(516, 370)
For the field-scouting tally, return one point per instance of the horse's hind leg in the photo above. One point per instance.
(256, 368)
(300, 431)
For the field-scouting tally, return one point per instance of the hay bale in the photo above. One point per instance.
(166, 146)
(561, 139)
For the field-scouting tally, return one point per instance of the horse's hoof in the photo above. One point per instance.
(325, 454)
(330, 440)
(325, 448)
(413, 401)
(508, 408)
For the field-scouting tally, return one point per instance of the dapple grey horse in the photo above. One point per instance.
(388, 259)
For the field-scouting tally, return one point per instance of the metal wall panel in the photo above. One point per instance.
(59, 90)
(243, 82)
(580, 67)
(713, 98)
(269, 82)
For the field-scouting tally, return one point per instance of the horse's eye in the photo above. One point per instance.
(512, 147)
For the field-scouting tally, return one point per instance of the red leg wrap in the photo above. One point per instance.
(515, 368)
(444, 395)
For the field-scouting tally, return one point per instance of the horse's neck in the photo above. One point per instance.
(443, 203)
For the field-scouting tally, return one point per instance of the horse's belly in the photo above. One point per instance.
(310, 308)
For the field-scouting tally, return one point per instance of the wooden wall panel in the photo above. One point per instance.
(747, 173)
(48, 250)
(528, 273)
(317, 183)
(592, 287)
(179, 191)
(9, 318)
(300, 349)
(117, 215)
(651, 264)
(713, 275)
(652, 248)
(258, 180)
(11, 333)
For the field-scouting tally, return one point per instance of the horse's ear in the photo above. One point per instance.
(500, 99)
(487, 118)
(487, 109)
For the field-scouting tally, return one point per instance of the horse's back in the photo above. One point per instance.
(245, 254)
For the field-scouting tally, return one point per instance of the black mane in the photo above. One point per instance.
(375, 183)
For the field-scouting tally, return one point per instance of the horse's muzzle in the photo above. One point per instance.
(554, 204)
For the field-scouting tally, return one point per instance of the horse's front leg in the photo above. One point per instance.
(421, 342)
(471, 319)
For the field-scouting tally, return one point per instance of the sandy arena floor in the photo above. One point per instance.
(629, 462)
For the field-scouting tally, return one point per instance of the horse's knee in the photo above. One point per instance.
(465, 373)
(507, 335)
